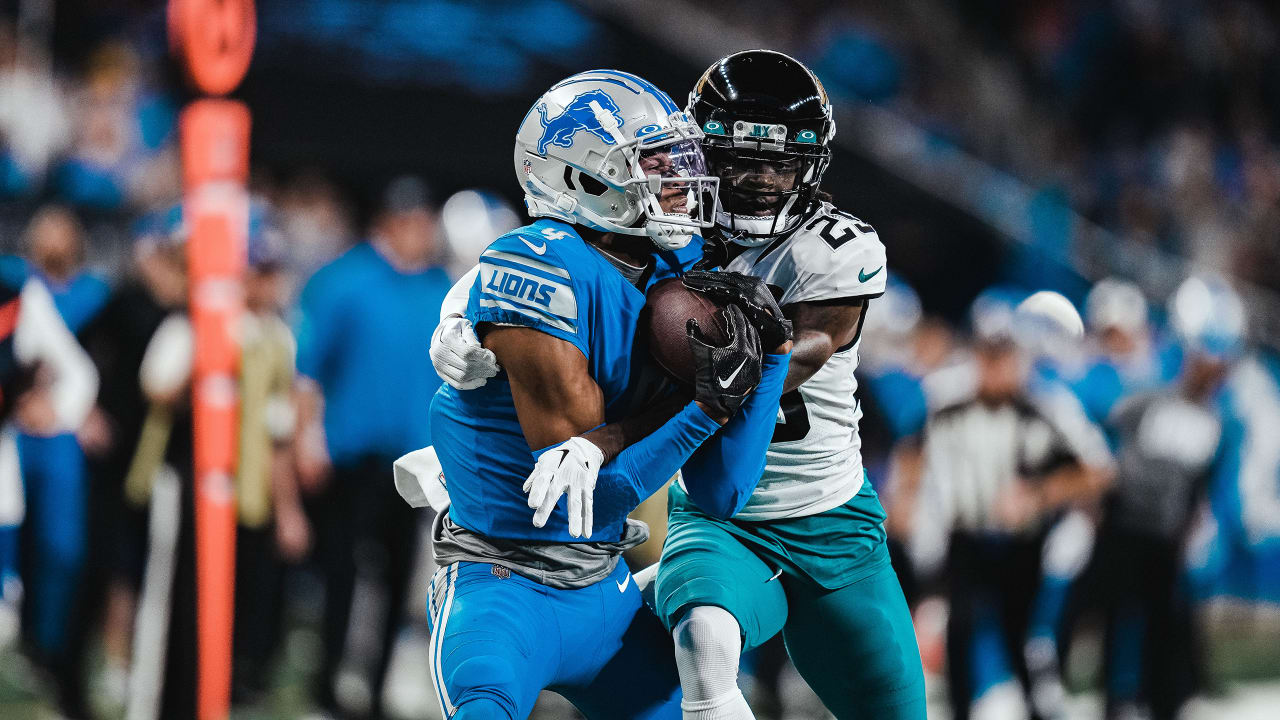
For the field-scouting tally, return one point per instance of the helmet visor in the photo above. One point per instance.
(681, 189)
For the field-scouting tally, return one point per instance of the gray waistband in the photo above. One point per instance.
(563, 566)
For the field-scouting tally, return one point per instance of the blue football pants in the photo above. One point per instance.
(498, 639)
(55, 482)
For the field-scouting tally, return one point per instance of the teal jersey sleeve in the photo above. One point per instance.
(525, 281)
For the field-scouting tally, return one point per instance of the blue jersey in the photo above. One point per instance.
(543, 276)
(1106, 381)
(360, 322)
(79, 300)
(900, 395)
(1244, 491)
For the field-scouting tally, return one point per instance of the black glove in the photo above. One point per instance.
(749, 293)
(715, 251)
(725, 376)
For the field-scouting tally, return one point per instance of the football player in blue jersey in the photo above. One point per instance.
(805, 554)
(579, 425)
(1169, 440)
(1129, 356)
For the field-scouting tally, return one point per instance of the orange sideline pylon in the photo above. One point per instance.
(215, 39)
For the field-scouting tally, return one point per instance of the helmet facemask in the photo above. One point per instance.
(615, 161)
(767, 186)
(668, 183)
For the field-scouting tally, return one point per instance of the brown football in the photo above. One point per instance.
(668, 307)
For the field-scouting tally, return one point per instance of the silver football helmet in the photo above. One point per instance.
(608, 150)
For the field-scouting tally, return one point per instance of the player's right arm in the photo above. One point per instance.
(557, 403)
(554, 394)
(821, 329)
(528, 308)
(1087, 476)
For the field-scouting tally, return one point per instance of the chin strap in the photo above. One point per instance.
(751, 231)
(668, 236)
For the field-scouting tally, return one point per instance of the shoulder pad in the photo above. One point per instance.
(523, 274)
(845, 251)
(836, 228)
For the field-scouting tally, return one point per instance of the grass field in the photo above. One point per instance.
(1243, 645)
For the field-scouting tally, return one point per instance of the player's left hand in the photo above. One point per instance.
(458, 356)
(569, 468)
(749, 293)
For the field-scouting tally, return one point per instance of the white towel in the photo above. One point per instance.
(420, 479)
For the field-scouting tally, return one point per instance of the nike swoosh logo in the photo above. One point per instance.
(726, 382)
(622, 586)
(539, 249)
(863, 276)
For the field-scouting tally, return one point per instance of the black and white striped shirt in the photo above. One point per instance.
(973, 452)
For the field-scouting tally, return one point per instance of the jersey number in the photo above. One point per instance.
(793, 418)
(847, 233)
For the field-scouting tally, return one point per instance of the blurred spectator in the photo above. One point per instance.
(994, 469)
(1167, 442)
(55, 248)
(1129, 355)
(48, 385)
(34, 125)
(121, 154)
(315, 217)
(51, 461)
(272, 529)
(154, 286)
(367, 319)
(1244, 548)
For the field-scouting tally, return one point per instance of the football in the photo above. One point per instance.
(668, 308)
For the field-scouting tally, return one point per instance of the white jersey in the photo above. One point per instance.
(815, 461)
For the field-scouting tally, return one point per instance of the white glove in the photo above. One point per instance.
(569, 468)
(458, 356)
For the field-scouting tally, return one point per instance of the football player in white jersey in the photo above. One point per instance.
(806, 556)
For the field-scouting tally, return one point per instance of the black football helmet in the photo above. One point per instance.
(768, 127)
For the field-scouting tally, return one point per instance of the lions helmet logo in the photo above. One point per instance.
(578, 115)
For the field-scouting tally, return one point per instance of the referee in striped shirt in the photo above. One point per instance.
(997, 462)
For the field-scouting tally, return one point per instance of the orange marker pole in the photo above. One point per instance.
(215, 40)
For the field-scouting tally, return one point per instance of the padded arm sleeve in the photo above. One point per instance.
(722, 474)
(642, 469)
(455, 302)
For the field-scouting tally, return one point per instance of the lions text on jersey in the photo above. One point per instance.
(815, 463)
(542, 276)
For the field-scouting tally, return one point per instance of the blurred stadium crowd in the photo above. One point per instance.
(1152, 577)
(1155, 119)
